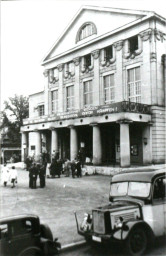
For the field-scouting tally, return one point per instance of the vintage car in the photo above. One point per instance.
(135, 215)
(23, 235)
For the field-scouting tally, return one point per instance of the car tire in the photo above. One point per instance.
(31, 252)
(136, 242)
(46, 232)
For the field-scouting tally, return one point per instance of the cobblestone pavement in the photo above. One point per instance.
(56, 203)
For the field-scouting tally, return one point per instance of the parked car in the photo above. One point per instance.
(135, 215)
(23, 235)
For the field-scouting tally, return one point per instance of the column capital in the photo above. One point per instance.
(76, 61)
(95, 54)
(146, 34)
(118, 45)
(60, 67)
(93, 124)
(124, 121)
(46, 72)
(71, 126)
(51, 128)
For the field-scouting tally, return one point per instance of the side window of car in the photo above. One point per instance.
(21, 227)
(159, 191)
(3, 231)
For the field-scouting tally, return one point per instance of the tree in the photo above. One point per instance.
(18, 107)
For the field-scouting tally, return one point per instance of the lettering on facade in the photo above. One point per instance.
(97, 110)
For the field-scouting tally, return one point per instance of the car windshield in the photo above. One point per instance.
(136, 189)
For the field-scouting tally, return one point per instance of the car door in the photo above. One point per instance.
(159, 206)
(21, 236)
(4, 239)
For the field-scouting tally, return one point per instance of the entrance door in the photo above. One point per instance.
(108, 145)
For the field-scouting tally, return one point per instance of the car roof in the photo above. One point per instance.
(18, 217)
(138, 175)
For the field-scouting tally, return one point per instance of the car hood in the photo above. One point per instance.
(121, 203)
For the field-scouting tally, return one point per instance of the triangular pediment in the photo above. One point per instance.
(104, 19)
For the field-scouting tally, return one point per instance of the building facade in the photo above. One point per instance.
(104, 90)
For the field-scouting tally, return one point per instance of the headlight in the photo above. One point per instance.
(119, 223)
(86, 224)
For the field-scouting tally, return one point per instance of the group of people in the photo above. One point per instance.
(74, 166)
(36, 170)
(9, 175)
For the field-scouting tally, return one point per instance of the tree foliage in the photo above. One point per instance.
(18, 108)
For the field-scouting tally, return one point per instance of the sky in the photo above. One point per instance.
(29, 29)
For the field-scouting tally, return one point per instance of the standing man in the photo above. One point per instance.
(73, 168)
(13, 176)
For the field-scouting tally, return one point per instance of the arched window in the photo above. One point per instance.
(86, 30)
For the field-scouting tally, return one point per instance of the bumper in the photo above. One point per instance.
(104, 238)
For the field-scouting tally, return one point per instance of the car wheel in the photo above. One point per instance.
(136, 243)
(32, 252)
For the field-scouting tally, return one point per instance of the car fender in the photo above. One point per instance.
(124, 232)
(46, 232)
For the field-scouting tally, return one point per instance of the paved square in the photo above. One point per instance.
(56, 203)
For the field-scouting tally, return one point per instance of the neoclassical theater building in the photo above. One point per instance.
(104, 90)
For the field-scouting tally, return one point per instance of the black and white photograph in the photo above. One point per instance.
(83, 128)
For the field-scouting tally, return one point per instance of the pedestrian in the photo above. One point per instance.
(13, 176)
(28, 163)
(53, 168)
(78, 167)
(67, 168)
(59, 167)
(73, 168)
(33, 173)
(42, 174)
(5, 175)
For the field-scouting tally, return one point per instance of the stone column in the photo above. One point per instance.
(147, 144)
(77, 84)
(54, 142)
(38, 145)
(73, 143)
(97, 147)
(124, 145)
(24, 145)
(60, 90)
(46, 91)
(119, 93)
(96, 84)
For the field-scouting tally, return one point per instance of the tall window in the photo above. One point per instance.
(133, 43)
(70, 98)
(108, 53)
(134, 85)
(54, 101)
(87, 59)
(41, 110)
(88, 94)
(109, 89)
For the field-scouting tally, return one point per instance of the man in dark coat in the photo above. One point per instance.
(73, 168)
(33, 173)
(78, 167)
(54, 168)
(42, 175)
